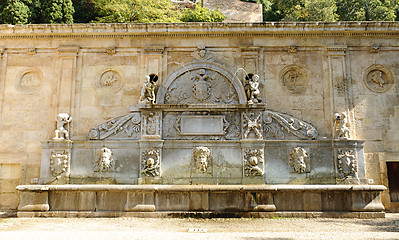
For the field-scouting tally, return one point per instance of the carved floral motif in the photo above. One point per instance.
(252, 123)
(59, 161)
(299, 160)
(282, 126)
(125, 127)
(346, 162)
(253, 162)
(201, 156)
(104, 161)
(150, 164)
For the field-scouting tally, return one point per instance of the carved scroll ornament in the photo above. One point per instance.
(125, 127)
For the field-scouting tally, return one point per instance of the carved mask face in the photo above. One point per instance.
(253, 161)
(150, 162)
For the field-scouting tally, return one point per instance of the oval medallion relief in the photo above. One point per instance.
(378, 78)
(293, 78)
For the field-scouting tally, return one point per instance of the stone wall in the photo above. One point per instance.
(95, 73)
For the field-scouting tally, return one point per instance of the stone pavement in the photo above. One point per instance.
(189, 228)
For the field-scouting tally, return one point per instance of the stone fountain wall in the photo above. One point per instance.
(308, 73)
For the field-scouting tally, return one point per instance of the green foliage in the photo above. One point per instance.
(15, 12)
(367, 10)
(84, 11)
(57, 11)
(201, 14)
(143, 11)
(313, 10)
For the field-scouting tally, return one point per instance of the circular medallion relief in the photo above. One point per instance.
(378, 79)
(110, 80)
(293, 78)
(29, 80)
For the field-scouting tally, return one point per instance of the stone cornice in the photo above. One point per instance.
(268, 29)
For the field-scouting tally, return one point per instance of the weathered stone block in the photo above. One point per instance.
(33, 201)
(72, 201)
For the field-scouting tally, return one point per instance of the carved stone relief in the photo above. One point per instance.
(59, 161)
(104, 161)
(378, 78)
(299, 160)
(150, 163)
(125, 127)
(201, 53)
(346, 162)
(293, 78)
(254, 162)
(29, 81)
(201, 86)
(341, 126)
(61, 133)
(282, 126)
(201, 156)
(148, 90)
(110, 80)
(151, 124)
(225, 125)
(252, 123)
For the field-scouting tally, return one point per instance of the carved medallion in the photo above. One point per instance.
(59, 162)
(299, 160)
(104, 162)
(29, 81)
(253, 162)
(346, 162)
(378, 78)
(150, 164)
(293, 79)
(110, 80)
(201, 156)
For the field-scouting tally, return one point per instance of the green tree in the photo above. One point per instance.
(84, 11)
(367, 10)
(201, 14)
(57, 11)
(313, 10)
(15, 12)
(142, 11)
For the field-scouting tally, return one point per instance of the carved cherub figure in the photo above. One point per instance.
(148, 90)
(61, 133)
(252, 88)
(341, 126)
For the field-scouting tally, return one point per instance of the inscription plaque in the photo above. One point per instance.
(202, 125)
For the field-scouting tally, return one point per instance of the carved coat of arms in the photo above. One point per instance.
(201, 87)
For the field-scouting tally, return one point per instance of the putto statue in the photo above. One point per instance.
(148, 90)
(61, 133)
(341, 126)
(252, 88)
(201, 157)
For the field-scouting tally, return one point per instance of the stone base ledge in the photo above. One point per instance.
(79, 214)
(212, 200)
(195, 188)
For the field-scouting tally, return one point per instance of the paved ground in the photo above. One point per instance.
(188, 228)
